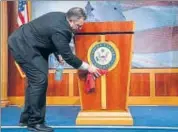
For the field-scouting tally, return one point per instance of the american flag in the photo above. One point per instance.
(22, 12)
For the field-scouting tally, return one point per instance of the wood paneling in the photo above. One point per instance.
(58, 88)
(12, 16)
(166, 88)
(139, 84)
(16, 84)
(75, 83)
(51, 90)
(166, 84)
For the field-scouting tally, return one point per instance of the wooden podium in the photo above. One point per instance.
(107, 45)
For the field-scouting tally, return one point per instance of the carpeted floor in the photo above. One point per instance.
(62, 118)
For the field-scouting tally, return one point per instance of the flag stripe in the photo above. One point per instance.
(22, 17)
(26, 14)
(19, 22)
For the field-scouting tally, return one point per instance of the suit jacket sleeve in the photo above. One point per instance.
(61, 40)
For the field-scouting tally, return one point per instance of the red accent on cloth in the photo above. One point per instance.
(90, 81)
(102, 72)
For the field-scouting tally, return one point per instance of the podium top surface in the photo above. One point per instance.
(116, 26)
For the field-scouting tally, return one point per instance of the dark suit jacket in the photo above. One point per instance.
(47, 34)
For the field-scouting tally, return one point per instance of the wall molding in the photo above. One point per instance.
(75, 100)
(3, 53)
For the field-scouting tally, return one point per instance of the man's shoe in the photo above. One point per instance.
(22, 124)
(40, 128)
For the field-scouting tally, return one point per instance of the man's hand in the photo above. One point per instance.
(94, 70)
(60, 59)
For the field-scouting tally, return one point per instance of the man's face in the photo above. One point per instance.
(76, 24)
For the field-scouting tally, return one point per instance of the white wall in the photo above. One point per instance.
(41, 7)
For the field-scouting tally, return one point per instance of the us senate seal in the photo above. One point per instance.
(104, 55)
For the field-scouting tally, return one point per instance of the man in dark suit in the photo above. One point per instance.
(31, 45)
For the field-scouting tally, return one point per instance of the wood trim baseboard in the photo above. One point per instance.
(141, 70)
(66, 100)
(165, 100)
(75, 100)
(4, 103)
(159, 70)
(72, 71)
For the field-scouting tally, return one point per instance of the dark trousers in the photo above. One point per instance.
(35, 96)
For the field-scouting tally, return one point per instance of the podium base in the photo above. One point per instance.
(104, 118)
